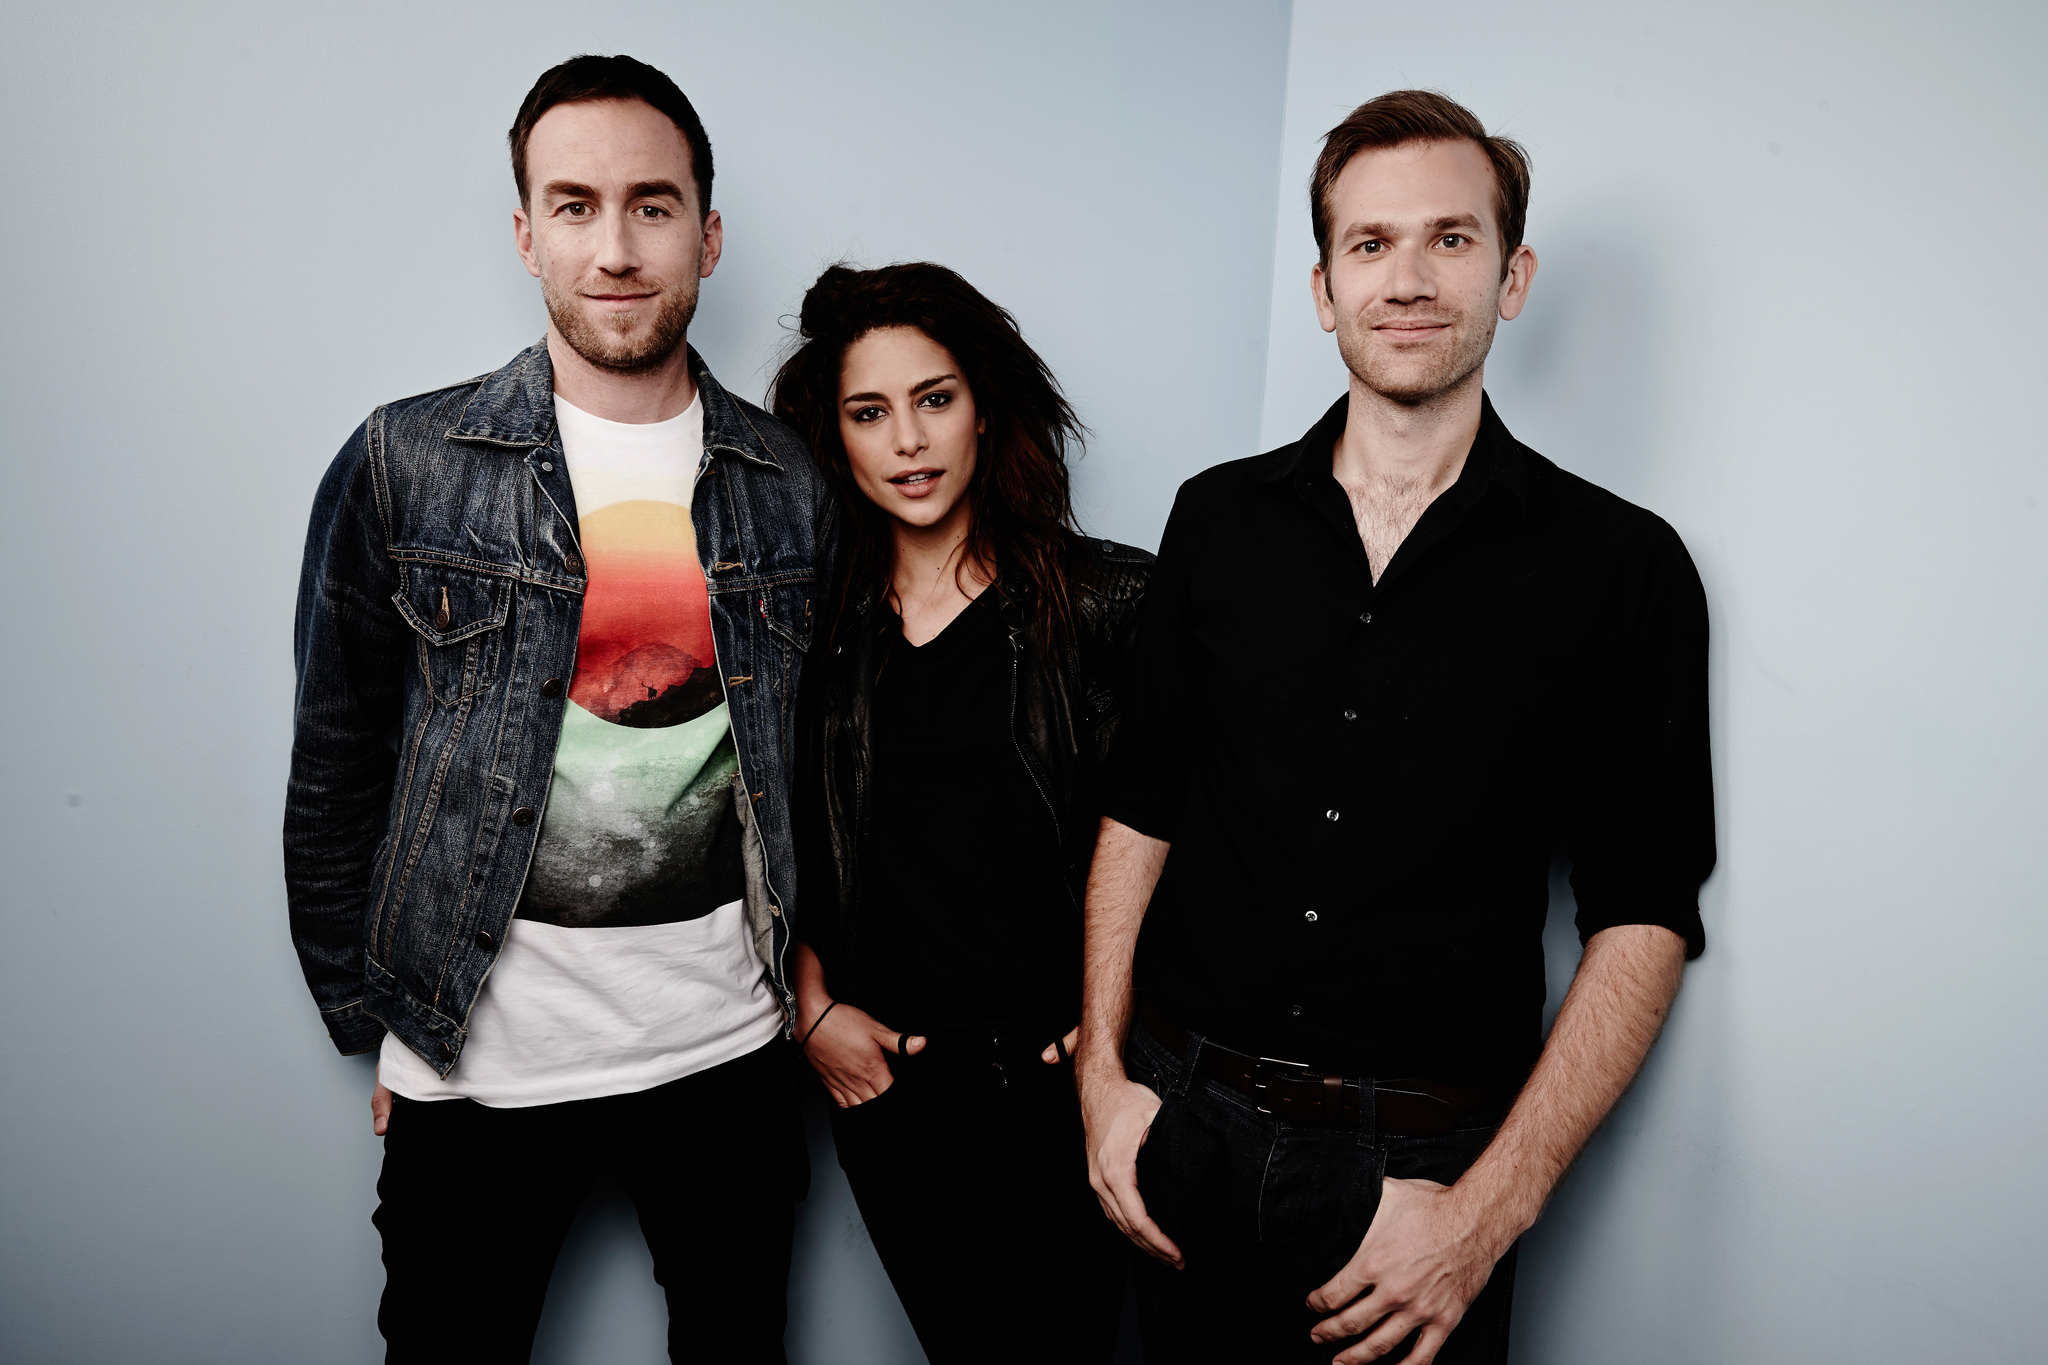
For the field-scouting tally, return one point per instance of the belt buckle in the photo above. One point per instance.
(1259, 1082)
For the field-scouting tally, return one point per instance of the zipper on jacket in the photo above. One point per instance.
(1016, 669)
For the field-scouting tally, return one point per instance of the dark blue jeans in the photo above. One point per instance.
(1265, 1211)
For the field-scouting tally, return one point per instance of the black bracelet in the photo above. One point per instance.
(815, 1022)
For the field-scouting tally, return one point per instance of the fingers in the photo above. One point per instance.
(1129, 1215)
(1388, 1338)
(380, 1109)
(1346, 1285)
(903, 1044)
(1055, 1053)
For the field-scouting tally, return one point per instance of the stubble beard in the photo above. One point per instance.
(610, 343)
(1402, 379)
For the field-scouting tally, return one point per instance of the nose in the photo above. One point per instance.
(615, 252)
(909, 432)
(1411, 280)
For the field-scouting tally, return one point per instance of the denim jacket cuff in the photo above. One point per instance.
(352, 1030)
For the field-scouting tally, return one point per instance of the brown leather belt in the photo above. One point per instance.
(1411, 1107)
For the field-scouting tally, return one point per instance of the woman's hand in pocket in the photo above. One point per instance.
(849, 1049)
(1055, 1053)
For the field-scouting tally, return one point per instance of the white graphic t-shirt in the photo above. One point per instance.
(629, 963)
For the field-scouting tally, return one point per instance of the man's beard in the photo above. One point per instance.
(605, 345)
(1401, 380)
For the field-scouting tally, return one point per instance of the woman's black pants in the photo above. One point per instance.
(972, 1177)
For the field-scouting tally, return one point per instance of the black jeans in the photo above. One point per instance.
(973, 1182)
(1265, 1211)
(475, 1203)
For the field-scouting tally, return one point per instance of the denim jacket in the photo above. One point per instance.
(438, 610)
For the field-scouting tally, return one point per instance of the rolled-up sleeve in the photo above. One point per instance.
(1641, 827)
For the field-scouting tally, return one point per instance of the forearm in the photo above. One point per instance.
(1617, 1004)
(812, 998)
(1120, 881)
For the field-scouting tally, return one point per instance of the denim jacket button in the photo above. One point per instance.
(523, 816)
(573, 562)
(447, 1052)
(485, 941)
(552, 688)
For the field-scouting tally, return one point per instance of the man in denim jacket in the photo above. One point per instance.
(537, 841)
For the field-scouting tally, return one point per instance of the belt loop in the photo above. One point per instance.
(1368, 1112)
(1187, 1066)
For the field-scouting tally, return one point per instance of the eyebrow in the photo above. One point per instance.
(914, 392)
(1454, 220)
(645, 189)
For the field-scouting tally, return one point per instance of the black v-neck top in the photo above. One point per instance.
(1363, 783)
(967, 921)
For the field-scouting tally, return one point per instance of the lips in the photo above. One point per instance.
(917, 483)
(1411, 329)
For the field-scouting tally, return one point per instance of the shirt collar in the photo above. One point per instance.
(1496, 456)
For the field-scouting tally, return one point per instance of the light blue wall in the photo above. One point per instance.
(232, 229)
(1790, 297)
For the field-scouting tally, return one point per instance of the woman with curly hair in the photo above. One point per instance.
(958, 708)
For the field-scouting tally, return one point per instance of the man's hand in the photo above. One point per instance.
(1117, 1115)
(380, 1109)
(1431, 1248)
(850, 1052)
(1423, 1261)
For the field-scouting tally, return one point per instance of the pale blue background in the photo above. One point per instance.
(1789, 298)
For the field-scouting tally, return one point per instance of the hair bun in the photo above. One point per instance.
(826, 302)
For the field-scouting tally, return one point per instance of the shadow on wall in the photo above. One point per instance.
(1582, 377)
(1579, 375)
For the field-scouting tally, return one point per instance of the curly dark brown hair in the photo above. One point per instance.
(1021, 496)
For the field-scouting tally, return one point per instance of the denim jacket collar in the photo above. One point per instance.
(515, 406)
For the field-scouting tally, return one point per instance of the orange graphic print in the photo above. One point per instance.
(644, 657)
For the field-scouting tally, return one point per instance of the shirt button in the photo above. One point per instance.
(551, 688)
(1310, 916)
(485, 941)
(547, 466)
(1294, 1010)
(1365, 618)
(1350, 714)
(1330, 815)
(523, 816)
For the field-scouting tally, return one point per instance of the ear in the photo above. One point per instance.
(714, 244)
(1514, 293)
(522, 241)
(1319, 289)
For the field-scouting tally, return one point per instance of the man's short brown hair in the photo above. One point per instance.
(1421, 116)
(590, 78)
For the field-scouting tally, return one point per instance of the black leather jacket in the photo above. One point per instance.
(1064, 705)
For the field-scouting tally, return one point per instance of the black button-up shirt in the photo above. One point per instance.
(1364, 783)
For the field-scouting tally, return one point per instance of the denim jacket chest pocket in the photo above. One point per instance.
(787, 608)
(459, 616)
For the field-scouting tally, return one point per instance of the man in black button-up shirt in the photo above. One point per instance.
(1386, 670)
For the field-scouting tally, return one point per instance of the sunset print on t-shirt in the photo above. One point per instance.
(640, 827)
(644, 657)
